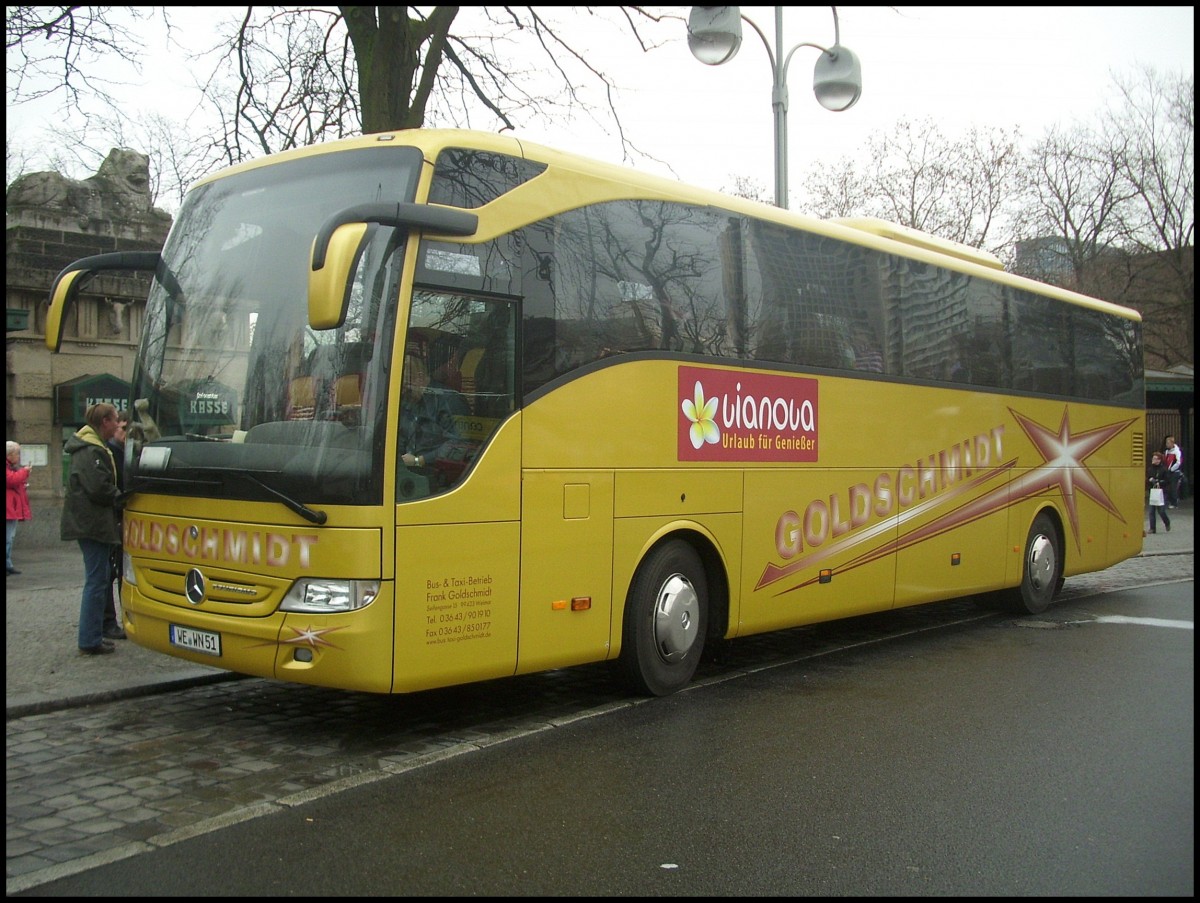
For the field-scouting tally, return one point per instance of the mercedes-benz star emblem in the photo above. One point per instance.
(193, 586)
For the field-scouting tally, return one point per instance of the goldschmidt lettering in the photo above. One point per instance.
(220, 545)
(825, 519)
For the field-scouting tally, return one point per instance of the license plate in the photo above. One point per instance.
(203, 641)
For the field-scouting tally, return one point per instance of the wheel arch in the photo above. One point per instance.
(1032, 593)
(708, 549)
(1056, 520)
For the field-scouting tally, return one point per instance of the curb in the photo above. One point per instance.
(21, 707)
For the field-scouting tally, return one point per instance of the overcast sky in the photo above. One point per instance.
(992, 66)
(1032, 67)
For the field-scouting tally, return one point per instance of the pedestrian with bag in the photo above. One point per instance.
(1173, 460)
(16, 501)
(1157, 476)
(90, 517)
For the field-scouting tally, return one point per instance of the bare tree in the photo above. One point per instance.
(284, 77)
(81, 55)
(1157, 118)
(373, 69)
(1068, 217)
(1157, 114)
(838, 191)
(51, 49)
(748, 188)
(919, 177)
(1111, 210)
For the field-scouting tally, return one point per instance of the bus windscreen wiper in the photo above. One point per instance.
(309, 514)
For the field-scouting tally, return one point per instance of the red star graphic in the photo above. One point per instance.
(1062, 468)
(312, 636)
(1063, 455)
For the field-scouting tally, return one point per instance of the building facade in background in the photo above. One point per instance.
(51, 221)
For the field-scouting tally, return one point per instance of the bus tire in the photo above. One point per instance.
(1041, 569)
(666, 615)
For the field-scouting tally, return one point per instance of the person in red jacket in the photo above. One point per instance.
(16, 501)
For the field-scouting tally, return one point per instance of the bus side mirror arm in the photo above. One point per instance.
(65, 289)
(342, 237)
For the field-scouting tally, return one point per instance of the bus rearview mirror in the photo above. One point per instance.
(329, 284)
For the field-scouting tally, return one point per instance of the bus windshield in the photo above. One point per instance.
(240, 395)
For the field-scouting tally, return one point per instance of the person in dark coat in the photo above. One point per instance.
(428, 429)
(1158, 477)
(90, 517)
(112, 624)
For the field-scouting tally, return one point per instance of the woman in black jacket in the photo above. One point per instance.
(1157, 477)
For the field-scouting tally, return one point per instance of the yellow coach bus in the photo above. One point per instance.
(438, 406)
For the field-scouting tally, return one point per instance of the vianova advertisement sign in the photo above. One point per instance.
(727, 415)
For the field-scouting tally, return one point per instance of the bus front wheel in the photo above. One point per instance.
(666, 616)
(1041, 569)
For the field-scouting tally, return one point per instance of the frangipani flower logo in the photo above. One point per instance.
(702, 414)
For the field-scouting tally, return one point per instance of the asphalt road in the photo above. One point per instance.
(1031, 757)
(96, 776)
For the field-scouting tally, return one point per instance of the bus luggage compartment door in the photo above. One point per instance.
(566, 544)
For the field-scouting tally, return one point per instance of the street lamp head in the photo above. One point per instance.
(714, 33)
(837, 79)
(714, 36)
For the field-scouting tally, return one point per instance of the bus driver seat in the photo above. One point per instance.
(302, 398)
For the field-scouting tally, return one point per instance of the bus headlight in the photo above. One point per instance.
(127, 573)
(329, 596)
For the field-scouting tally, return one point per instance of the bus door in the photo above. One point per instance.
(458, 494)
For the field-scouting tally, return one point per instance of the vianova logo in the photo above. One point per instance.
(766, 413)
(744, 412)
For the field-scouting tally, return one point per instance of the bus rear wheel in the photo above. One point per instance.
(666, 615)
(1041, 570)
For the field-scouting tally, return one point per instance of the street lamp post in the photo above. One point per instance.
(714, 36)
